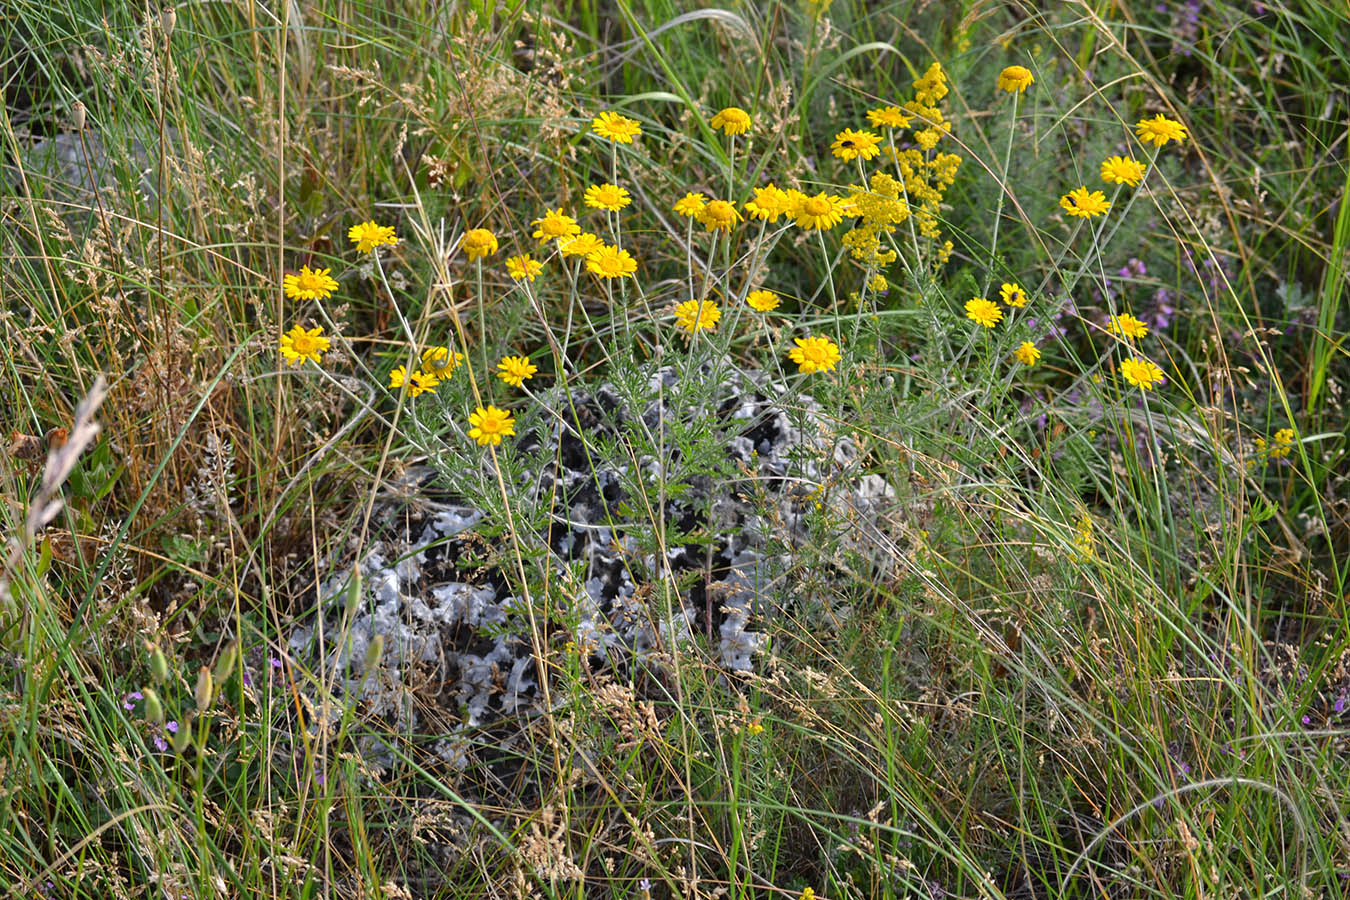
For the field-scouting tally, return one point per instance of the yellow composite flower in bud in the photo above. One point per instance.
(309, 284)
(611, 262)
(613, 127)
(1159, 130)
(1015, 79)
(985, 312)
(769, 203)
(440, 361)
(849, 145)
(418, 382)
(1083, 203)
(554, 224)
(1128, 326)
(522, 267)
(1027, 354)
(367, 236)
(718, 215)
(1121, 170)
(698, 315)
(583, 244)
(516, 370)
(690, 205)
(607, 196)
(298, 345)
(732, 120)
(1141, 373)
(763, 301)
(888, 117)
(1012, 294)
(819, 212)
(814, 354)
(490, 425)
(478, 243)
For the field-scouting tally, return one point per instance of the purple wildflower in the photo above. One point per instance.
(129, 701)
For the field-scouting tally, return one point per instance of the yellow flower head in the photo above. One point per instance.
(613, 127)
(1012, 294)
(878, 283)
(849, 144)
(769, 203)
(309, 284)
(607, 196)
(814, 354)
(553, 225)
(984, 311)
(1083, 203)
(1120, 170)
(1282, 443)
(888, 117)
(516, 370)
(583, 244)
(478, 243)
(298, 345)
(367, 236)
(611, 262)
(931, 86)
(691, 204)
(418, 382)
(819, 212)
(1141, 373)
(1128, 326)
(718, 215)
(696, 315)
(732, 120)
(522, 267)
(1159, 130)
(1027, 354)
(1015, 79)
(763, 301)
(440, 361)
(490, 425)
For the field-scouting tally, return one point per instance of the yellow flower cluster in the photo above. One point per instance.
(1280, 446)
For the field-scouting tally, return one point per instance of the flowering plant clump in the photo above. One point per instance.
(298, 345)
(309, 284)
(814, 354)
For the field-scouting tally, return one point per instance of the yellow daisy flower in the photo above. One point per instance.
(613, 127)
(1027, 354)
(1141, 373)
(1128, 326)
(516, 370)
(607, 196)
(849, 144)
(693, 315)
(888, 117)
(1159, 130)
(522, 267)
(418, 382)
(819, 212)
(1084, 204)
(298, 345)
(478, 243)
(1015, 79)
(367, 236)
(769, 203)
(555, 224)
(309, 284)
(440, 361)
(718, 215)
(763, 301)
(985, 312)
(490, 425)
(583, 244)
(732, 120)
(814, 354)
(1012, 294)
(611, 262)
(1120, 170)
(691, 204)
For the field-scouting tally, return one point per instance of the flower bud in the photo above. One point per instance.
(205, 689)
(353, 596)
(183, 736)
(374, 651)
(159, 666)
(77, 115)
(225, 664)
(168, 18)
(154, 710)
